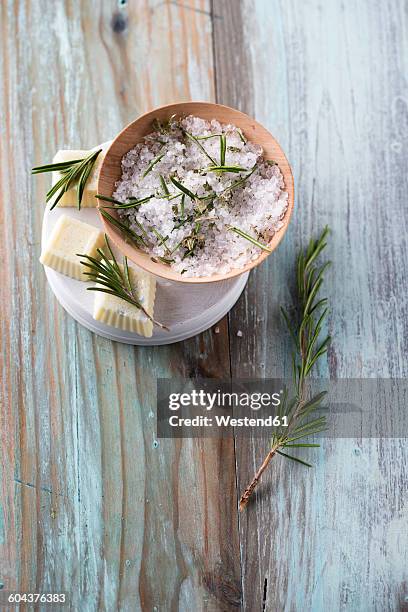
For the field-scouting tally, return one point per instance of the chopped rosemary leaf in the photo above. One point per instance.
(142, 229)
(112, 280)
(178, 245)
(180, 224)
(242, 137)
(165, 260)
(152, 164)
(209, 196)
(223, 148)
(164, 186)
(249, 238)
(226, 169)
(207, 137)
(181, 187)
(162, 239)
(131, 203)
(173, 197)
(183, 197)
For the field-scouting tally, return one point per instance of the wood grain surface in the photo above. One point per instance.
(91, 503)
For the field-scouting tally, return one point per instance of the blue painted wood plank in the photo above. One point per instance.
(92, 504)
(328, 80)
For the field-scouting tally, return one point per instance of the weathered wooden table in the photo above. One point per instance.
(91, 503)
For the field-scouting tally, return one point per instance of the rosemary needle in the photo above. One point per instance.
(223, 149)
(181, 187)
(165, 260)
(243, 234)
(111, 279)
(131, 203)
(164, 186)
(241, 136)
(152, 164)
(57, 167)
(162, 239)
(222, 168)
(74, 173)
(208, 137)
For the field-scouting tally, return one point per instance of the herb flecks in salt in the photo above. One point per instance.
(186, 208)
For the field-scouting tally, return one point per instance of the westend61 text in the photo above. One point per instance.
(228, 421)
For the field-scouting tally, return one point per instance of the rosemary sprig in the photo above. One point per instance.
(124, 229)
(305, 332)
(131, 202)
(112, 280)
(248, 237)
(74, 173)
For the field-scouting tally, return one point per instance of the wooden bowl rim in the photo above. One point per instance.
(141, 258)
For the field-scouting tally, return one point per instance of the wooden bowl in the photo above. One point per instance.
(134, 133)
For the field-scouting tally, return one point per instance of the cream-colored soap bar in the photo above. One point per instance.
(91, 188)
(69, 237)
(116, 312)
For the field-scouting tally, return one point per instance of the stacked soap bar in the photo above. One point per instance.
(69, 237)
(91, 188)
(114, 311)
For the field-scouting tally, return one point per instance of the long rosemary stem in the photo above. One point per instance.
(305, 333)
(245, 497)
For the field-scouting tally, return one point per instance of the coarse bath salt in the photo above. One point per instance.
(210, 201)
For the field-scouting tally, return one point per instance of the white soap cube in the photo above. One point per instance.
(91, 187)
(118, 313)
(68, 238)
